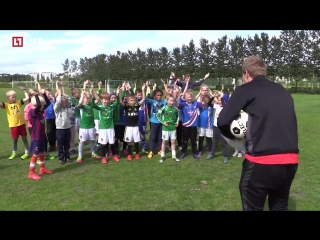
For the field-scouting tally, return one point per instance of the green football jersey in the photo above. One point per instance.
(86, 115)
(106, 115)
(95, 111)
(169, 115)
(74, 103)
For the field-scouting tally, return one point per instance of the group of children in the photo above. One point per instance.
(116, 121)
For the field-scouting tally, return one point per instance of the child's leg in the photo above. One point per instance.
(23, 133)
(163, 148)
(61, 140)
(72, 136)
(209, 143)
(193, 131)
(185, 136)
(153, 136)
(224, 149)
(159, 137)
(209, 136)
(142, 130)
(201, 139)
(92, 138)
(179, 134)
(67, 144)
(32, 174)
(43, 169)
(14, 146)
(103, 152)
(116, 139)
(215, 141)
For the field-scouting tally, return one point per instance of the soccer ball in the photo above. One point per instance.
(238, 127)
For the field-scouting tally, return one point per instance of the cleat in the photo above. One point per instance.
(34, 176)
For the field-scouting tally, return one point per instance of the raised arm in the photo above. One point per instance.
(26, 96)
(57, 104)
(143, 94)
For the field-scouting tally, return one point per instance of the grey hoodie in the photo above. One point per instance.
(62, 116)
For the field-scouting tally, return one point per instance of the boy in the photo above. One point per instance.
(51, 122)
(38, 134)
(96, 115)
(86, 130)
(16, 121)
(75, 97)
(106, 125)
(63, 126)
(132, 134)
(155, 127)
(75, 92)
(142, 120)
(168, 115)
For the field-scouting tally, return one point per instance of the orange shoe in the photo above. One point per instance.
(116, 158)
(95, 156)
(137, 156)
(34, 176)
(45, 171)
(129, 157)
(104, 160)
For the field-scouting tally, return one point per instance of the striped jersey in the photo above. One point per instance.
(190, 113)
(206, 117)
(38, 131)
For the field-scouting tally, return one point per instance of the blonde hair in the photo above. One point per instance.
(34, 101)
(10, 93)
(254, 66)
(87, 95)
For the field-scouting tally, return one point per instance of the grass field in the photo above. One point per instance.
(149, 185)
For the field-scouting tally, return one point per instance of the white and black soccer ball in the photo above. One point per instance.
(238, 127)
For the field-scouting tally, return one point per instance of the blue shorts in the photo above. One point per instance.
(143, 128)
(37, 147)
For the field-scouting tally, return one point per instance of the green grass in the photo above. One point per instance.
(149, 185)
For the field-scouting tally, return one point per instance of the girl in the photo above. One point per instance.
(206, 122)
(217, 137)
(189, 107)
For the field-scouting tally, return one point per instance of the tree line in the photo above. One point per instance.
(294, 55)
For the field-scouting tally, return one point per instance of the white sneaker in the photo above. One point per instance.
(235, 153)
(240, 155)
(175, 159)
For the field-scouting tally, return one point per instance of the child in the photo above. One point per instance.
(106, 126)
(116, 121)
(75, 92)
(86, 130)
(27, 109)
(16, 121)
(122, 125)
(132, 133)
(142, 120)
(176, 93)
(217, 133)
(155, 127)
(168, 115)
(189, 107)
(96, 115)
(38, 134)
(205, 122)
(63, 126)
(51, 122)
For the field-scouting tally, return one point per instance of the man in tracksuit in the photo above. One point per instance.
(271, 158)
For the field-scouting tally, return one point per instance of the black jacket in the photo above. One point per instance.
(272, 124)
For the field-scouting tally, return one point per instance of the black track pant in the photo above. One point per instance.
(261, 180)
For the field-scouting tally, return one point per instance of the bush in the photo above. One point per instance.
(305, 90)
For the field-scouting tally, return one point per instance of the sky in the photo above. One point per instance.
(45, 51)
